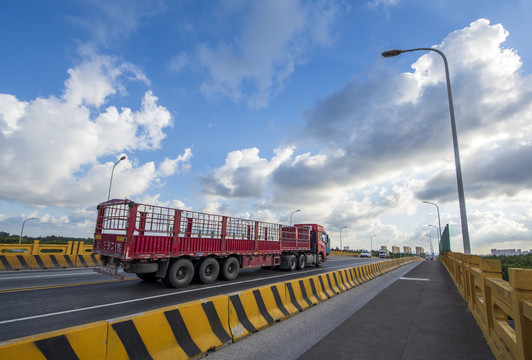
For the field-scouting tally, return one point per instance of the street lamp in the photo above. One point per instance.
(22, 230)
(341, 247)
(372, 244)
(439, 222)
(293, 214)
(112, 171)
(430, 242)
(461, 196)
(436, 230)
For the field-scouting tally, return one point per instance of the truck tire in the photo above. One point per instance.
(319, 261)
(149, 277)
(208, 270)
(292, 263)
(301, 261)
(180, 273)
(230, 268)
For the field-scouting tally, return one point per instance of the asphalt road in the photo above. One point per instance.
(33, 302)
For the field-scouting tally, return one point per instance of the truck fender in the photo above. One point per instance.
(163, 268)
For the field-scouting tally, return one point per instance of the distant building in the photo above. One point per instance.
(420, 251)
(407, 249)
(396, 249)
(507, 252)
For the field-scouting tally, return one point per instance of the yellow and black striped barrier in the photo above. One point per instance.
(46, 256)
(189, 330)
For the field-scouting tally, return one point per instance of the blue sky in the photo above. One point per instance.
(259, 108)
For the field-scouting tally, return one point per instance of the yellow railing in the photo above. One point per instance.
(503, 310)
(46, 256)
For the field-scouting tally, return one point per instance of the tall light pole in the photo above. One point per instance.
(461, 196)
(293, 212)
(112, 172)
(341, 247)
(372, 244)
(22, 230)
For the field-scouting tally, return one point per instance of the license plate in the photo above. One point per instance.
(109, 270)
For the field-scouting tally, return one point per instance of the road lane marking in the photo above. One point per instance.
(415, 279)
(153, 297)
(57, 286)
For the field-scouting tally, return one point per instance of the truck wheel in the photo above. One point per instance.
(180, 273)
(319, 261)
(208, 270)
(292, 263)
(149, 277)
(301, 262)
(230, 268)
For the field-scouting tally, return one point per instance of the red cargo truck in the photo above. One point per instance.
(177, 245)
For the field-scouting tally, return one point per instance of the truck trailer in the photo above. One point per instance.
(177, 246)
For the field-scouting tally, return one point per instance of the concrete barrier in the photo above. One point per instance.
(252, 310)
(190, 330)
(46, 256)
(15, 262)
(178, 332)
(80, 342)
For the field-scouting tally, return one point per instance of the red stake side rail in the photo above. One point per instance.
(128, 230)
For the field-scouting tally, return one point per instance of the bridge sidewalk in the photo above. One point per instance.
(420, 316)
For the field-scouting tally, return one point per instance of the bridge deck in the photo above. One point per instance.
(420, 316)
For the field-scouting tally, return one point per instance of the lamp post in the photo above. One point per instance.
(461, 196)
(430, 243)
(341, 247)
(439, 222)
(372, 243)
(293, 214)
(22, 230)
(112, 172)
(440, 235)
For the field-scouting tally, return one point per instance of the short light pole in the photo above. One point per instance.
(22, 230)
(439, 222)
(430, 243)
(438, 237)
(341, 246)
(372, 243)
(293, 212)
(112, 172)
(461, 196)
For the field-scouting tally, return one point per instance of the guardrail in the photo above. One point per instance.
(190, 330)
(46, 256)
(503, 310)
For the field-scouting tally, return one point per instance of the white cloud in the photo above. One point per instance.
(180, 163)
(54, 146)
(398, 137)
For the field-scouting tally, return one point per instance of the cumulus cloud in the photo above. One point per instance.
(393, 129)
(275, 37)
(53, 149)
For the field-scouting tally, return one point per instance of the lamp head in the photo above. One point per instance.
(391, 53)
(123, 158)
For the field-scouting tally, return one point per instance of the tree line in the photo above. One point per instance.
(512, 261)
(6, 238)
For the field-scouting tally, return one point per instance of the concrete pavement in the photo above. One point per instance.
(419, 316)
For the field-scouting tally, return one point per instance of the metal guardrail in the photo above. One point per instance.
(503, 310)
(46, 256)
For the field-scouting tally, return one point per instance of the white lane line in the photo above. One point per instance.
(150, 297)
(50, 275)
(415, 279)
